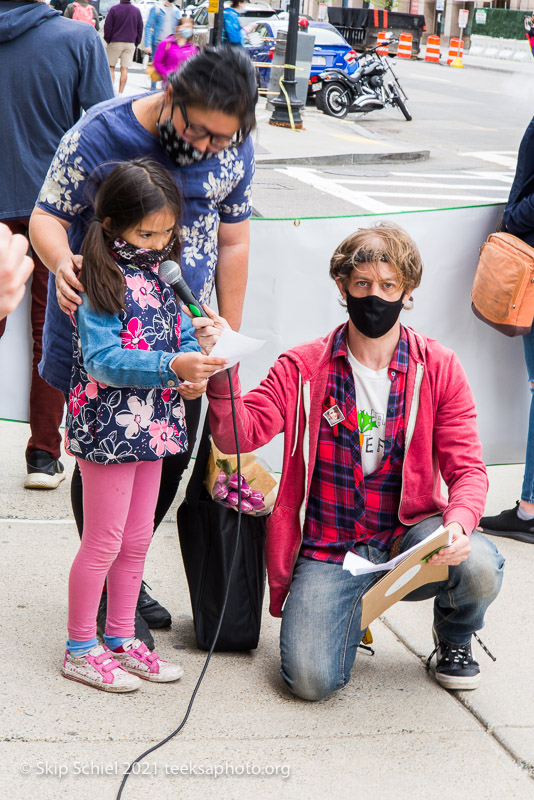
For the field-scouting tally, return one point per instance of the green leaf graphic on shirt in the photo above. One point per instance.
(366, 422)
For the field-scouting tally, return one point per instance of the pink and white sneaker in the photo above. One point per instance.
(136, 658)
(100, 669)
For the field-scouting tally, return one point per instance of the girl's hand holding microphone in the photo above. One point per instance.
(207, 329)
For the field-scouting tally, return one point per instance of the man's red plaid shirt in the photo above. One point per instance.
(344, 507)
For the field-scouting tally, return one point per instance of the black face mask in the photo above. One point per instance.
(176, 148)
(373, 316)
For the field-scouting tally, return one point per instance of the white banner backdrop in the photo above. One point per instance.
(291, 299)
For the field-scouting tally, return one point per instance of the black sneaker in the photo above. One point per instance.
(455, 667)
(508, 524)
(44, 472)
(154, 614)
(142, 630)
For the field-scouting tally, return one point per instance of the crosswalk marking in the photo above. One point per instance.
(419, 184)
(506, 158)
(329, 186)
(406, 190)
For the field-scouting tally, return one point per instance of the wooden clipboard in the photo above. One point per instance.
(410, 574)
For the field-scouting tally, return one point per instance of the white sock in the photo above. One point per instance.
(523, 515)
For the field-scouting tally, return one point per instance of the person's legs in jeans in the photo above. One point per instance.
(46, 403)
(321, 625)
(527, 492)
(461, 602)
(518, 522)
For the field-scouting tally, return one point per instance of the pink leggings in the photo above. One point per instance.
(119, 501)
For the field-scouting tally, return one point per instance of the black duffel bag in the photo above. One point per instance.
(207, 532)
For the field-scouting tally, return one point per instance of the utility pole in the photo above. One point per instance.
(287, 108)
(216, 7)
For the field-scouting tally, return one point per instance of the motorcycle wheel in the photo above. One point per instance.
(398, 101)
(330, 101)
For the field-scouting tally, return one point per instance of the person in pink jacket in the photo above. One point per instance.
(175, 49)
(373, 416)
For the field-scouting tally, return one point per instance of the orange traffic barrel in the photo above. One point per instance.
(381, 39)
(404, 49)
(432, 50)
(456, 51)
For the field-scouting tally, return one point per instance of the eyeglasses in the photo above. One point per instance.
(197, 132)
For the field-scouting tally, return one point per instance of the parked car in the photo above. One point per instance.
(329, 51)
(253, 12)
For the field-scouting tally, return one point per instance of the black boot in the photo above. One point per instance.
(152, 612)
(142, 630)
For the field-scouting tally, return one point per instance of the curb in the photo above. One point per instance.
(347, 158)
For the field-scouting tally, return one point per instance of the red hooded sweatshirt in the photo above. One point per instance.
(441, 439)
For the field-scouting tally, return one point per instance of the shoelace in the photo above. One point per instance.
(460, 654)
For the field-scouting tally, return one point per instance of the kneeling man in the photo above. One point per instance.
(373, 415)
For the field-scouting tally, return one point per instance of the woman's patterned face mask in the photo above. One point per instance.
(140, 257)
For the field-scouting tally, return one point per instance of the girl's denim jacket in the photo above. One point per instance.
(123, 402)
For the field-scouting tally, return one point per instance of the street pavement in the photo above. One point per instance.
(391, 733)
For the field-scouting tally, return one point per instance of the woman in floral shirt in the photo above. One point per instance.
(198, 129)
(124, 415)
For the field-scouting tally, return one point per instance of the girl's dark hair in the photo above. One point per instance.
(131, 191)
(219, 79)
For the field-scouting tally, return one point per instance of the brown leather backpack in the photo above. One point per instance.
(503, 289)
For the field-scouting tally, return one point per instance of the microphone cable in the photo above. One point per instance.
(139, 758)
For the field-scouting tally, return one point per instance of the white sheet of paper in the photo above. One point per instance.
(357, 565)
(234, 346)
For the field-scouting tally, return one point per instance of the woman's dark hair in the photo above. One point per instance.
(237, 3)
(131, 191)
(219, 79)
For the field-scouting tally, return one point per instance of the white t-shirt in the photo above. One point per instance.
(372, 395)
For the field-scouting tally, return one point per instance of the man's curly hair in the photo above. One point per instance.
(382, 242)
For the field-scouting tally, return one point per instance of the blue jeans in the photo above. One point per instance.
(527, 492)
(321, 618)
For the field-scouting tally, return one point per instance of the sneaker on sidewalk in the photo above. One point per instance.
(508, 524)
(100, 669)
(142, 630)
(44, 472)
(154, 614)
(455, 667)
(137, 659)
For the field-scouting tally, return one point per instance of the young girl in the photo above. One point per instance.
(124, 415)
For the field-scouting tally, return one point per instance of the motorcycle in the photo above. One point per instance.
(368, 88)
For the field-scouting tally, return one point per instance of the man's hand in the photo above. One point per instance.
(458, 550)
(192, 390)
(15, 269)
(67, 283)
(196, 367)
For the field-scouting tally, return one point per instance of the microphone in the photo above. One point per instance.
(171, 273)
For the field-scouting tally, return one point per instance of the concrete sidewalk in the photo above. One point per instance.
(325, 140)
(391, 733)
